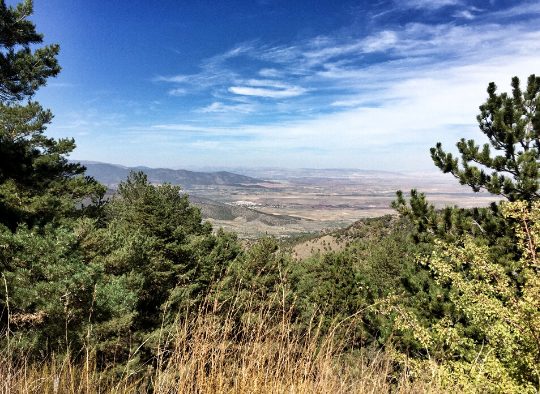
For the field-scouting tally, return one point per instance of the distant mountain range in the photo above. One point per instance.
(112, 174)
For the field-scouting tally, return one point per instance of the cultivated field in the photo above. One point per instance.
(306, 201)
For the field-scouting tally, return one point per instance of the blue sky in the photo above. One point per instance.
(358, 84)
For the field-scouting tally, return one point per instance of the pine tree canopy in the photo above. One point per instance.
(37, 184)
(23, 71)
(509, 164)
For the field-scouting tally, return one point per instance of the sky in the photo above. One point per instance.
(272, 83)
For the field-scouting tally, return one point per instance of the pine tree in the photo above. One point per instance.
(179, 257)
(512, 125)
(37, 184)
(23, 71)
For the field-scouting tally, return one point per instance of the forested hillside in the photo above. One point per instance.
(138, 294)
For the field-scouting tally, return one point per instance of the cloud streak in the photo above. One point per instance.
(220, 107)
(267, 89)
(428, 4)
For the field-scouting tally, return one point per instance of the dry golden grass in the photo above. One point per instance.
(323, 244)
(200, 356)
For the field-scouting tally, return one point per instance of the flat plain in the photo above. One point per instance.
(293, 202)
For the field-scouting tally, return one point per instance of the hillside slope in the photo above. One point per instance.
(112, 175)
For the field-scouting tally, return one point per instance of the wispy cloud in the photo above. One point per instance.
(465, 14)
(213, 71)
(267, 88)
(291, 91)
(380, 41)
(524, 9)
(173, 78)
(428, 4)
(180, 127)
(220, 107)
(270, 73)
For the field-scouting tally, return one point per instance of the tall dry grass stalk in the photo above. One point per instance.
(206, 354)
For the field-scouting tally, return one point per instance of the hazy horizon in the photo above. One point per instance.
(210, 168)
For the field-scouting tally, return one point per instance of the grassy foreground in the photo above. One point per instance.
(203, 355)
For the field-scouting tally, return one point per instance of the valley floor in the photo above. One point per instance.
(289, 206)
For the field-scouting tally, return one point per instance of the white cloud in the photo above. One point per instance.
(267, 88)
(330, 50)
(174, 78)
(465, 14)
(225, 108)
(291, 91)
(269, 73)
(428, 4)
(528, 9)
(213, 72)
(380, 41)
(271, 83)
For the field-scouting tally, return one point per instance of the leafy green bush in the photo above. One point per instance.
(491, 341)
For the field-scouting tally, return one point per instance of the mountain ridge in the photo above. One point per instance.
(112, 174)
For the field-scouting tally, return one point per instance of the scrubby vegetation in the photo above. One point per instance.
(137, 293)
